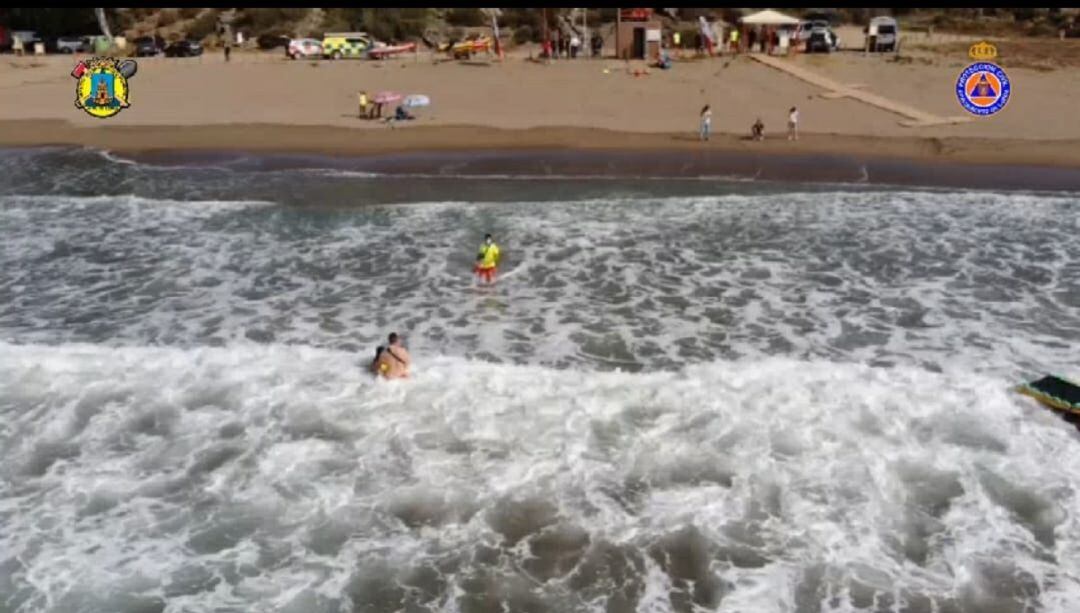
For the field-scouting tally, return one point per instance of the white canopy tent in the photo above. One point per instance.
(769, 25)
(769, 17)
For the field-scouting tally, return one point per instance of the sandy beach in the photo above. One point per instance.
(264, 102)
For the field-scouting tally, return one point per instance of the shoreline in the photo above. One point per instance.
(581, 152)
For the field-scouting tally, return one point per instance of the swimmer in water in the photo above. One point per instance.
(393, 360)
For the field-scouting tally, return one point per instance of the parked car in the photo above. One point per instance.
(184, 48)
(819, 41)
(272, 41)
(72, 44)
(148, 46)
(338, 45)
(304, 48)
(884, 34)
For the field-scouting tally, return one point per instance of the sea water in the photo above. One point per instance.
(679, 396)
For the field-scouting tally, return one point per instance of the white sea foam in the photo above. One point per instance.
(822, 421)
(968, 281)
(269, 477)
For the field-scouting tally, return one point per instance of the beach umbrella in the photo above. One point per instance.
(416, 100)
(386, 97)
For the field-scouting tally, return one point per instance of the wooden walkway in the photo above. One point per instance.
(914, 117)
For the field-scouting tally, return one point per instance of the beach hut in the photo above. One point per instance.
(638, 34)
(766, 22)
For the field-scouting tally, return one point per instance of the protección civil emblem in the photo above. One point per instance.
(983, 88)
(102, 86)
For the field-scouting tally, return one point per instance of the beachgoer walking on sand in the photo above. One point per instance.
(758, 130)
(706, 122)
(793, 124)
(228, 49)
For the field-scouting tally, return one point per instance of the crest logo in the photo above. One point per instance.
(983, 88)
(101, 88)
(982, 51)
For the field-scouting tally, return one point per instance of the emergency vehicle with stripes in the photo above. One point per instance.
(339, 45)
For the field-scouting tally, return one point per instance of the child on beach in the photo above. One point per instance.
(793, 124)
(706, 122)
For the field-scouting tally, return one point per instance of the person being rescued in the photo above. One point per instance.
(487, 260)
(391, 361)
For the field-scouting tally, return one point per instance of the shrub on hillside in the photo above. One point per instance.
(1043, 28)
(467, 17)
(204, 26)
(525, 34)
(189, 13)
(166, 18)
(261, 21)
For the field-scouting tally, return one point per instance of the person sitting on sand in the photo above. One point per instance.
(757, 131)
(392, 361)
(400, 114)
(664, 61)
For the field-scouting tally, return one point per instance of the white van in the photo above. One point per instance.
(883, 34)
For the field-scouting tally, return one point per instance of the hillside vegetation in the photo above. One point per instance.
(526, 24)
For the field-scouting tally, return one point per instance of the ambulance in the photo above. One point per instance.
(339, 45)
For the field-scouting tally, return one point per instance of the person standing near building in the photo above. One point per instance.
(575, 45)
(793, 124)
(706, 122)
(228, 49)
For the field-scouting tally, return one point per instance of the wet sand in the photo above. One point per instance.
(471, 150)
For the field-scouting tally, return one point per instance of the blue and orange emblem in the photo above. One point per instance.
(983, 88)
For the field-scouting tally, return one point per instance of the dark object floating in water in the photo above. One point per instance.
(1056, 393)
